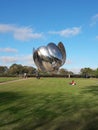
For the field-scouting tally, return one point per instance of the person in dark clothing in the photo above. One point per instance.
(37, 75)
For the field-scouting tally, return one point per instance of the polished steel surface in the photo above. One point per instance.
(50, 58)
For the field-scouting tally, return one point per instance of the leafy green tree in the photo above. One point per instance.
(96, 73)
(3, 70)
(87, 72)
(28, 69)
(63, 71)
(16, 69)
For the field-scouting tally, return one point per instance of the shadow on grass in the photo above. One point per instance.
(7, 97)
(39, 111)
(7, 102)
(91, 90)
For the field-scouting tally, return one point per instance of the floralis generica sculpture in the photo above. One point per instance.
(50, 58)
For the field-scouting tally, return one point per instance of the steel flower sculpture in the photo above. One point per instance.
(49, 58)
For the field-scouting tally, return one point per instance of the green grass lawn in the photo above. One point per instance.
(49, 104)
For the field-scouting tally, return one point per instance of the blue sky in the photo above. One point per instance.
(28, 24)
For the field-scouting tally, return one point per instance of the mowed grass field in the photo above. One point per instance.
(49, 104)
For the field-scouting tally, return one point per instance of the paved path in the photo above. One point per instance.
(13, 81)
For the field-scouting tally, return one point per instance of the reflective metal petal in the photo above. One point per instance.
(54, 51)
(63, 51)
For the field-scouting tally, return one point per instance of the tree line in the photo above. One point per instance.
(20, 70)
(16, 70)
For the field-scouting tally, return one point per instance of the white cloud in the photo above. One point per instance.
(75, 70)
(67, 32)
(8, 50)
(26, 59)
(20, 33)
(20, 59)
(8, 59)
(94, 20)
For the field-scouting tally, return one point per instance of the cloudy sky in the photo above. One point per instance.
(28, 24)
